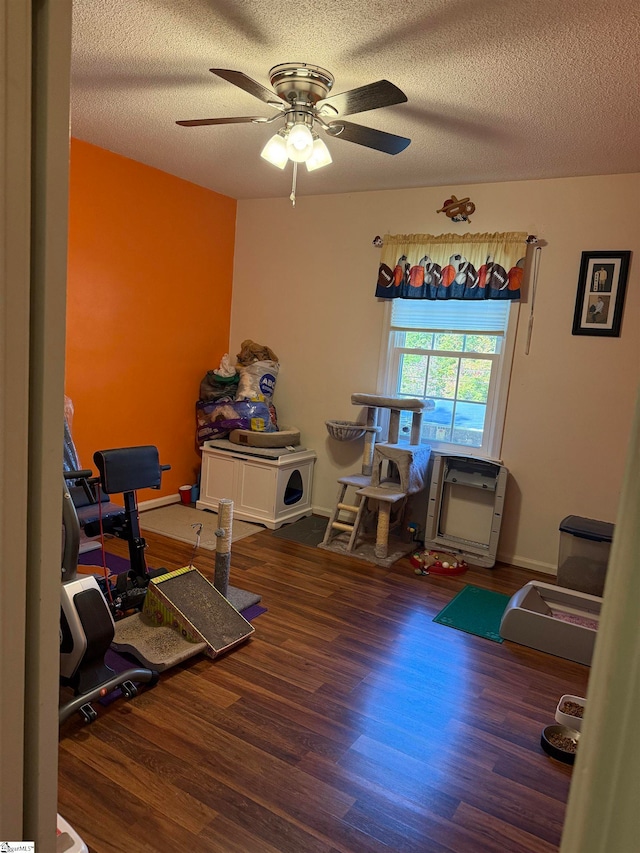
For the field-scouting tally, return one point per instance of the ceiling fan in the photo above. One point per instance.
(301, 97)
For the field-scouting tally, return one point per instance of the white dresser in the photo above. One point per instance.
(269, 486)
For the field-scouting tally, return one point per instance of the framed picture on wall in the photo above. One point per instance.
(600, 298)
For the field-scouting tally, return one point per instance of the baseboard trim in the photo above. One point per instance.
(526, 563)
(511, 559)
(154, 503)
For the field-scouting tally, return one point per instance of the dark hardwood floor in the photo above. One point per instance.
(349, 723)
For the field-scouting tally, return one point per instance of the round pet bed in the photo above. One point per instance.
(250, 438)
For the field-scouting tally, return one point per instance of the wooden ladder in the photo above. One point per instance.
(350, 525)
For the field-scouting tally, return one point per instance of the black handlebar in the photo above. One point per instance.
(80, 474)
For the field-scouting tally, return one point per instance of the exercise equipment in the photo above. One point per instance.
(87, 628)
(96, 513)
(123, 471)
(163, 618)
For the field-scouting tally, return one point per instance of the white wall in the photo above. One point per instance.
(303, 284)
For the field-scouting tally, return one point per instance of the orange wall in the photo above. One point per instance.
(148, 306)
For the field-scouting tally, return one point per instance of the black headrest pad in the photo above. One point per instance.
(126, 469)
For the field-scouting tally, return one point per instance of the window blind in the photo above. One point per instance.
(450, 315)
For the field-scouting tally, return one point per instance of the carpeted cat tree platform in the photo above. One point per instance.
(391, 472)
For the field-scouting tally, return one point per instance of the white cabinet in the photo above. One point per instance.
(269, 486)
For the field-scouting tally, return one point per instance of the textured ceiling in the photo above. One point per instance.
(498, 90)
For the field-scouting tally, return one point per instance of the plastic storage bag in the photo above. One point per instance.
(257, 378)
(215, 387)
(216, 420)
(221, 382)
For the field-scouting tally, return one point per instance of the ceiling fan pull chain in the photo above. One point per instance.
(293, 185)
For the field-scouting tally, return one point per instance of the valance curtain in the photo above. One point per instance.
(452, 266)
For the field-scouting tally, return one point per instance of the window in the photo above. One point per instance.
(456, 356)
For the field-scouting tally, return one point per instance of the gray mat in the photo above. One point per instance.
(176, 522)
(307, 531)
(241, 598)
(366, 550)
(158, 647)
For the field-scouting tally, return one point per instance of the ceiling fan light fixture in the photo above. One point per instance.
(275, 151)
(299, 143)
(300, 95)
(320, 156)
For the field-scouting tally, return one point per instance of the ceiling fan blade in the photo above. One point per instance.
(368, 136)
(199, 122)
(247, 85)
(370, 97)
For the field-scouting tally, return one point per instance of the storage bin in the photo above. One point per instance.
(584, 553)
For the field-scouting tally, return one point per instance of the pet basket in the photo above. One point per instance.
(345, 430)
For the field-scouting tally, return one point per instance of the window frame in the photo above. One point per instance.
(388, 379)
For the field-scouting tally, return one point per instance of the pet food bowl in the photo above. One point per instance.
(572, 721)
(560, 742)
